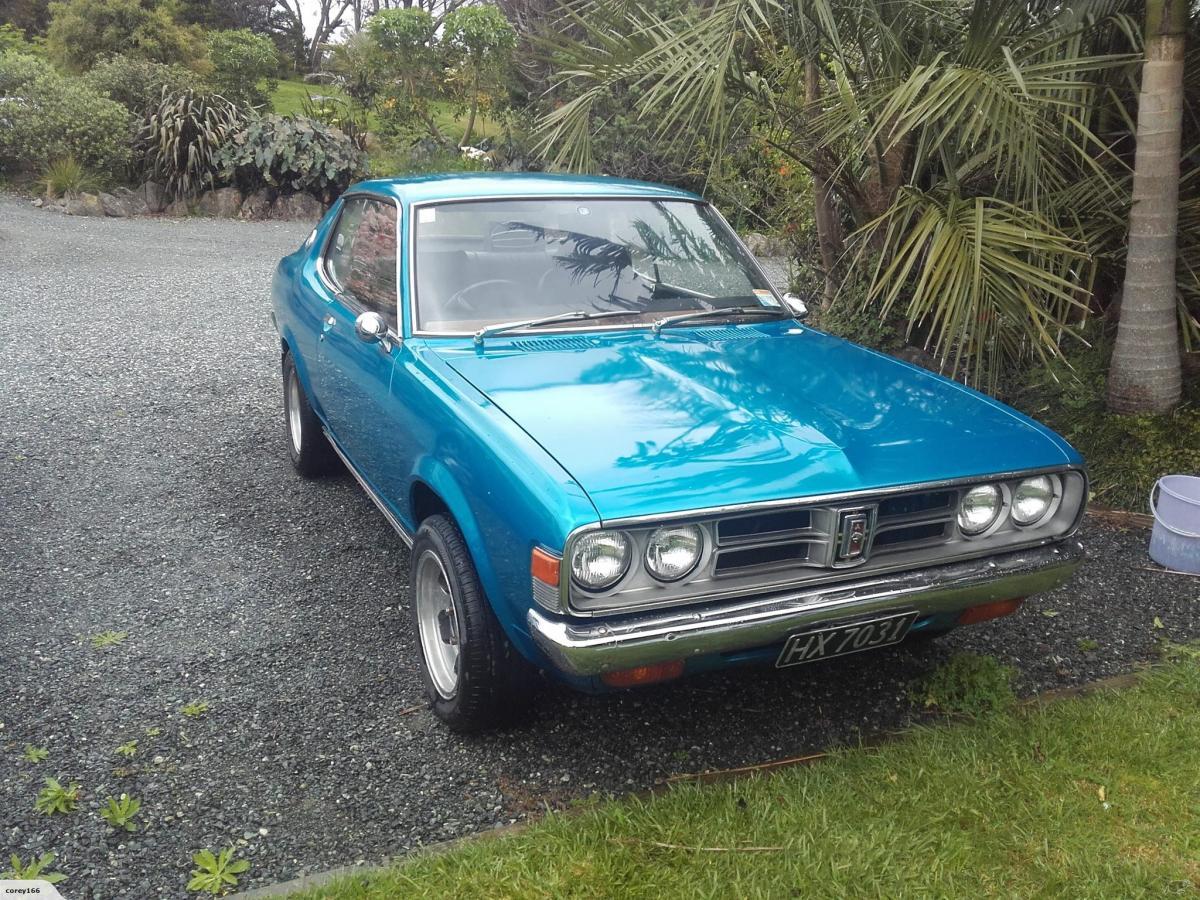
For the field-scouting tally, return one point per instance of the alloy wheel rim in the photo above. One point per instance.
(293, 411)
(437, 622)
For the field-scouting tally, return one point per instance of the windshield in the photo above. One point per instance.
(479, 263)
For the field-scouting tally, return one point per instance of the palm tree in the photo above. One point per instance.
(956, 141)
(1145, 374)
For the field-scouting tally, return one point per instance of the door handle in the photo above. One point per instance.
(330, 321)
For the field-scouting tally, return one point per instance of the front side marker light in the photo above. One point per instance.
(545, 566)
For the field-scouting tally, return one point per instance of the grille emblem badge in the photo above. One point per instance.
(855, 533)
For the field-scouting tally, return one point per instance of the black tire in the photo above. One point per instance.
(309, 450)
(495, 685)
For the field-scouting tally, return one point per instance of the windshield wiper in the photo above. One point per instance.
(713, 313)
(501, 327)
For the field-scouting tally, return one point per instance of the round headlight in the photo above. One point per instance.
(1031, 499)
(979, 508)
(673, 551)
(599, 559)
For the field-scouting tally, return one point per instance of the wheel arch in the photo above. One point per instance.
(435, 490)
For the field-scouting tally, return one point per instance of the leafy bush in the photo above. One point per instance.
(49, 117)
(12, 39)
(137, 84)
(182, 138)
(19, 69)
(292, 154)
(67, 176)
(241, 60)
(82, 31)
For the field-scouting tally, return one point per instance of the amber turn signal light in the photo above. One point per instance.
(643, 674)
(990, 611)
(544, 566)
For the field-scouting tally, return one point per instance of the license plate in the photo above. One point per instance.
(839, 640)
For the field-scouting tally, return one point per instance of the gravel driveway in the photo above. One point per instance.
(144, 488)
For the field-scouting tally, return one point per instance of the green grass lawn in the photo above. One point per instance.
(1087, 797)
(289, 96)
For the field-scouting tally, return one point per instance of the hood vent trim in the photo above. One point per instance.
(532, 345)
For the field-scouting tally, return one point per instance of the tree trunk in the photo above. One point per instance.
(830, 236)
(466, 138)
(1145, 373)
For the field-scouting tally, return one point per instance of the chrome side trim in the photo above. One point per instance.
(405, 534)
(591, 647)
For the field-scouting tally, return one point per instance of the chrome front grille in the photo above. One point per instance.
(808, 537)
(780, 539)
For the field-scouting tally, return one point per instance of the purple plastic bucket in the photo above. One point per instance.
(1175, 540)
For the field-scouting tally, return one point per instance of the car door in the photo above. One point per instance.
(353, 376)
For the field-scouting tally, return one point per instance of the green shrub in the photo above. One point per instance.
(49, 117)
(83, 31)
(67, 176)
(19, 69)
(1125, 455)
(293, 154)
(137, 84)
(12, 40)
(244, 66)
(181, 140)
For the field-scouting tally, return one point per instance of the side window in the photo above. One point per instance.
(361, 256)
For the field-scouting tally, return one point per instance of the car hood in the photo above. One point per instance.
(704, 417)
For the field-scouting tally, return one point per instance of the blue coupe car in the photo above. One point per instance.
(619, 456)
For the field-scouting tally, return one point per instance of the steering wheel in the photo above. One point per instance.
(460, 302)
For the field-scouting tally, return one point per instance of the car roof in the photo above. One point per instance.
(487, 185)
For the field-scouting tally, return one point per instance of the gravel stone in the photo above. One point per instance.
(145, 488)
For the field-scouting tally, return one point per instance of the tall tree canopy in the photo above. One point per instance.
(977, 153)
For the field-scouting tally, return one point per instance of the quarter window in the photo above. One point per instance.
(361, 257)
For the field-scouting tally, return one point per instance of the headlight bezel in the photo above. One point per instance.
(997, 519)
(593, 537)
(1052, 504)
(647, 558)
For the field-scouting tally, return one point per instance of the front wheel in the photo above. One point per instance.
(474, 677)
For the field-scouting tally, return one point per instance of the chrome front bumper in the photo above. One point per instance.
(591, 647)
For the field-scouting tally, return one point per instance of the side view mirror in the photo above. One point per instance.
(798, 307)
(370, 327)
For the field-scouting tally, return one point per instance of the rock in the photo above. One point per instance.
(297, 207)
(84, 204)
(153, 195)
(223, 203)
(258, 204)
(38, 202)
(114, 206)
(134, 202)
(178, 207)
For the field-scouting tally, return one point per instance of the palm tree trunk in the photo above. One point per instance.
(1145, 373)
(830, 236)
